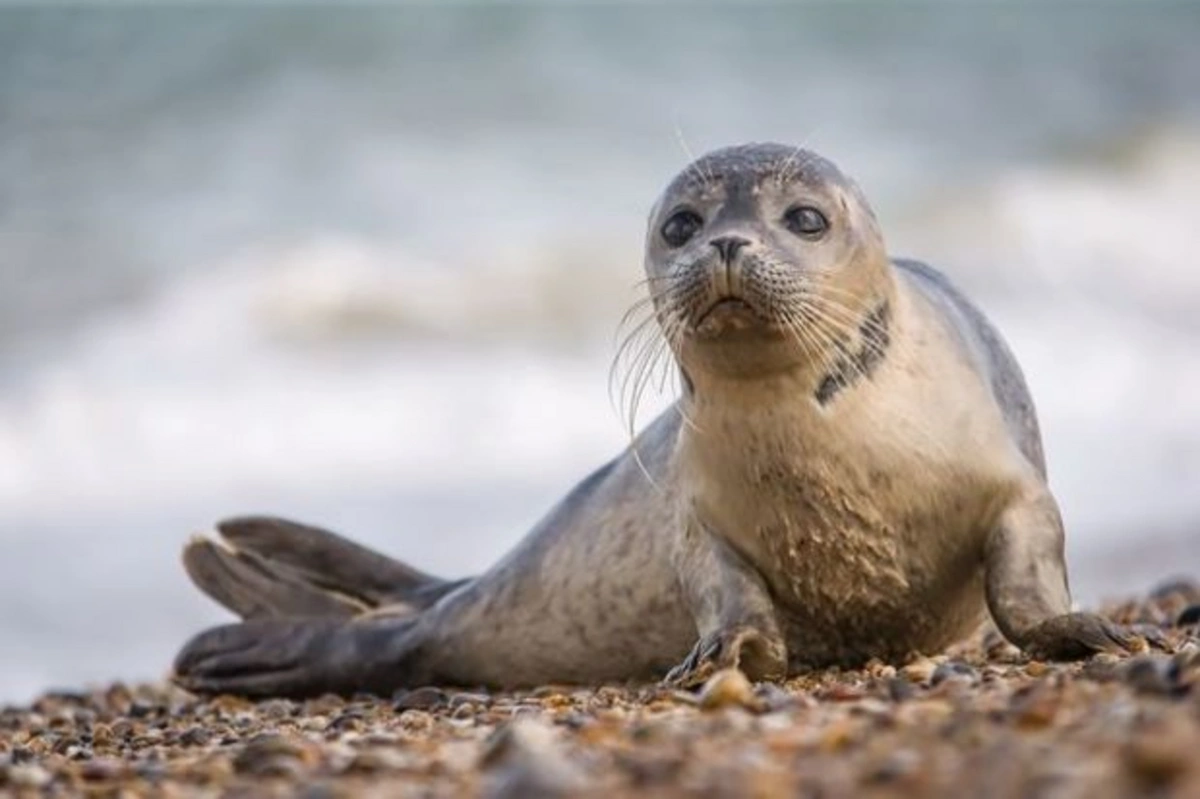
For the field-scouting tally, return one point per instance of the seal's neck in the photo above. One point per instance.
(845, 360)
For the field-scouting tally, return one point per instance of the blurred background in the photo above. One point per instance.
(364, 268)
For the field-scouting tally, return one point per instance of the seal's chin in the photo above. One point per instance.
(729, 315)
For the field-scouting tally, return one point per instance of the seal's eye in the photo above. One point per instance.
(804, 220)
(680, 227)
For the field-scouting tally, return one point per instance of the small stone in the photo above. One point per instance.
(278, 709)
(774, 698)
(878, 669)
(324, 790)
(195, 736)
(1037, 707)
(416, 720)
(464, 711)
(1179, 586)
(140, 709)
(21, 754)
(841, 692)
(729, 688)
(79, 753)
(838, 735)
(1036, 668)
(524, 759)
(1157, 758)
(426, 698)
(102, 735)
(895, 766)
(102, 769)
(954, 670)
(573, 720)
(378, 759)
(900, 689)
(919, 671)
(347, 720)
(1189, 617)
(269, 755)
(483, 700)
(29, 775)
(1101, 670)
(1152, 674)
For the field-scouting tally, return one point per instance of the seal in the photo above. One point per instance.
(853, 470)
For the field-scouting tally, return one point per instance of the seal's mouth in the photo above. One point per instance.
(728, 313)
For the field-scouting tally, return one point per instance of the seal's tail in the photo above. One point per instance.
(264, 567)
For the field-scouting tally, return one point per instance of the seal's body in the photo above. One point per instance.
(854, 471)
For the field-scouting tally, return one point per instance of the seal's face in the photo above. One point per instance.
(761, 244)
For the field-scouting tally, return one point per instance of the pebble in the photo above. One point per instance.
(1179, 586)
(954, 670)
(1036, 668)
(729, 688)
(524, 759)
(919, 671)
(103, 769)
(419, 699)
(1190, 616)
(464, 711)
(195, 735)
(1153, 674)
(1158, 757)
(483, 700)
(1036, 707)
(269, 755)
(900, 689)
(774, 698)
(1112, 726)
(377, 759)
(278, 709)
(140, 710)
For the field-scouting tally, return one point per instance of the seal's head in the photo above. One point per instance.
(762, 257)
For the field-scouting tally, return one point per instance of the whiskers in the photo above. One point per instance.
(695, 167)
(648, 334)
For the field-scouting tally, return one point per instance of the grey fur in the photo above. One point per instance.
(785, 524)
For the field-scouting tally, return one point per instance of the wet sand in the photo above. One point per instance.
(980, 719)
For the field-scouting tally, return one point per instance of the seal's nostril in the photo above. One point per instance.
(728, 246)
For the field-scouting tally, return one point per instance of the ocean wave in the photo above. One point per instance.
(339, 362)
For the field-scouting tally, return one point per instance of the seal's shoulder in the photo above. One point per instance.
(984, 340)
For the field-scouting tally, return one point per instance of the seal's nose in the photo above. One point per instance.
(728, 246)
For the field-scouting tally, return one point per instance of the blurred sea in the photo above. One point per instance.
(365, 268)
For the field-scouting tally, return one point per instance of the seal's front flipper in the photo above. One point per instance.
(1074, 636)
(255, 588)
(748, 648)
(734, 614)
(1027, 593)
(300, 658)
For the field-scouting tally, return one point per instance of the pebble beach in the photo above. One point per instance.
(979, 719)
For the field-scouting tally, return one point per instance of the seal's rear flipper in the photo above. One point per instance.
(303, 658)
(255, 588)
(326, 558)
(269, 567)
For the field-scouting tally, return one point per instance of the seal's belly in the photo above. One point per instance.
(854, 578)
(847, 619)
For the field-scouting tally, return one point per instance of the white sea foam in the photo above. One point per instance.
(331, 363)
